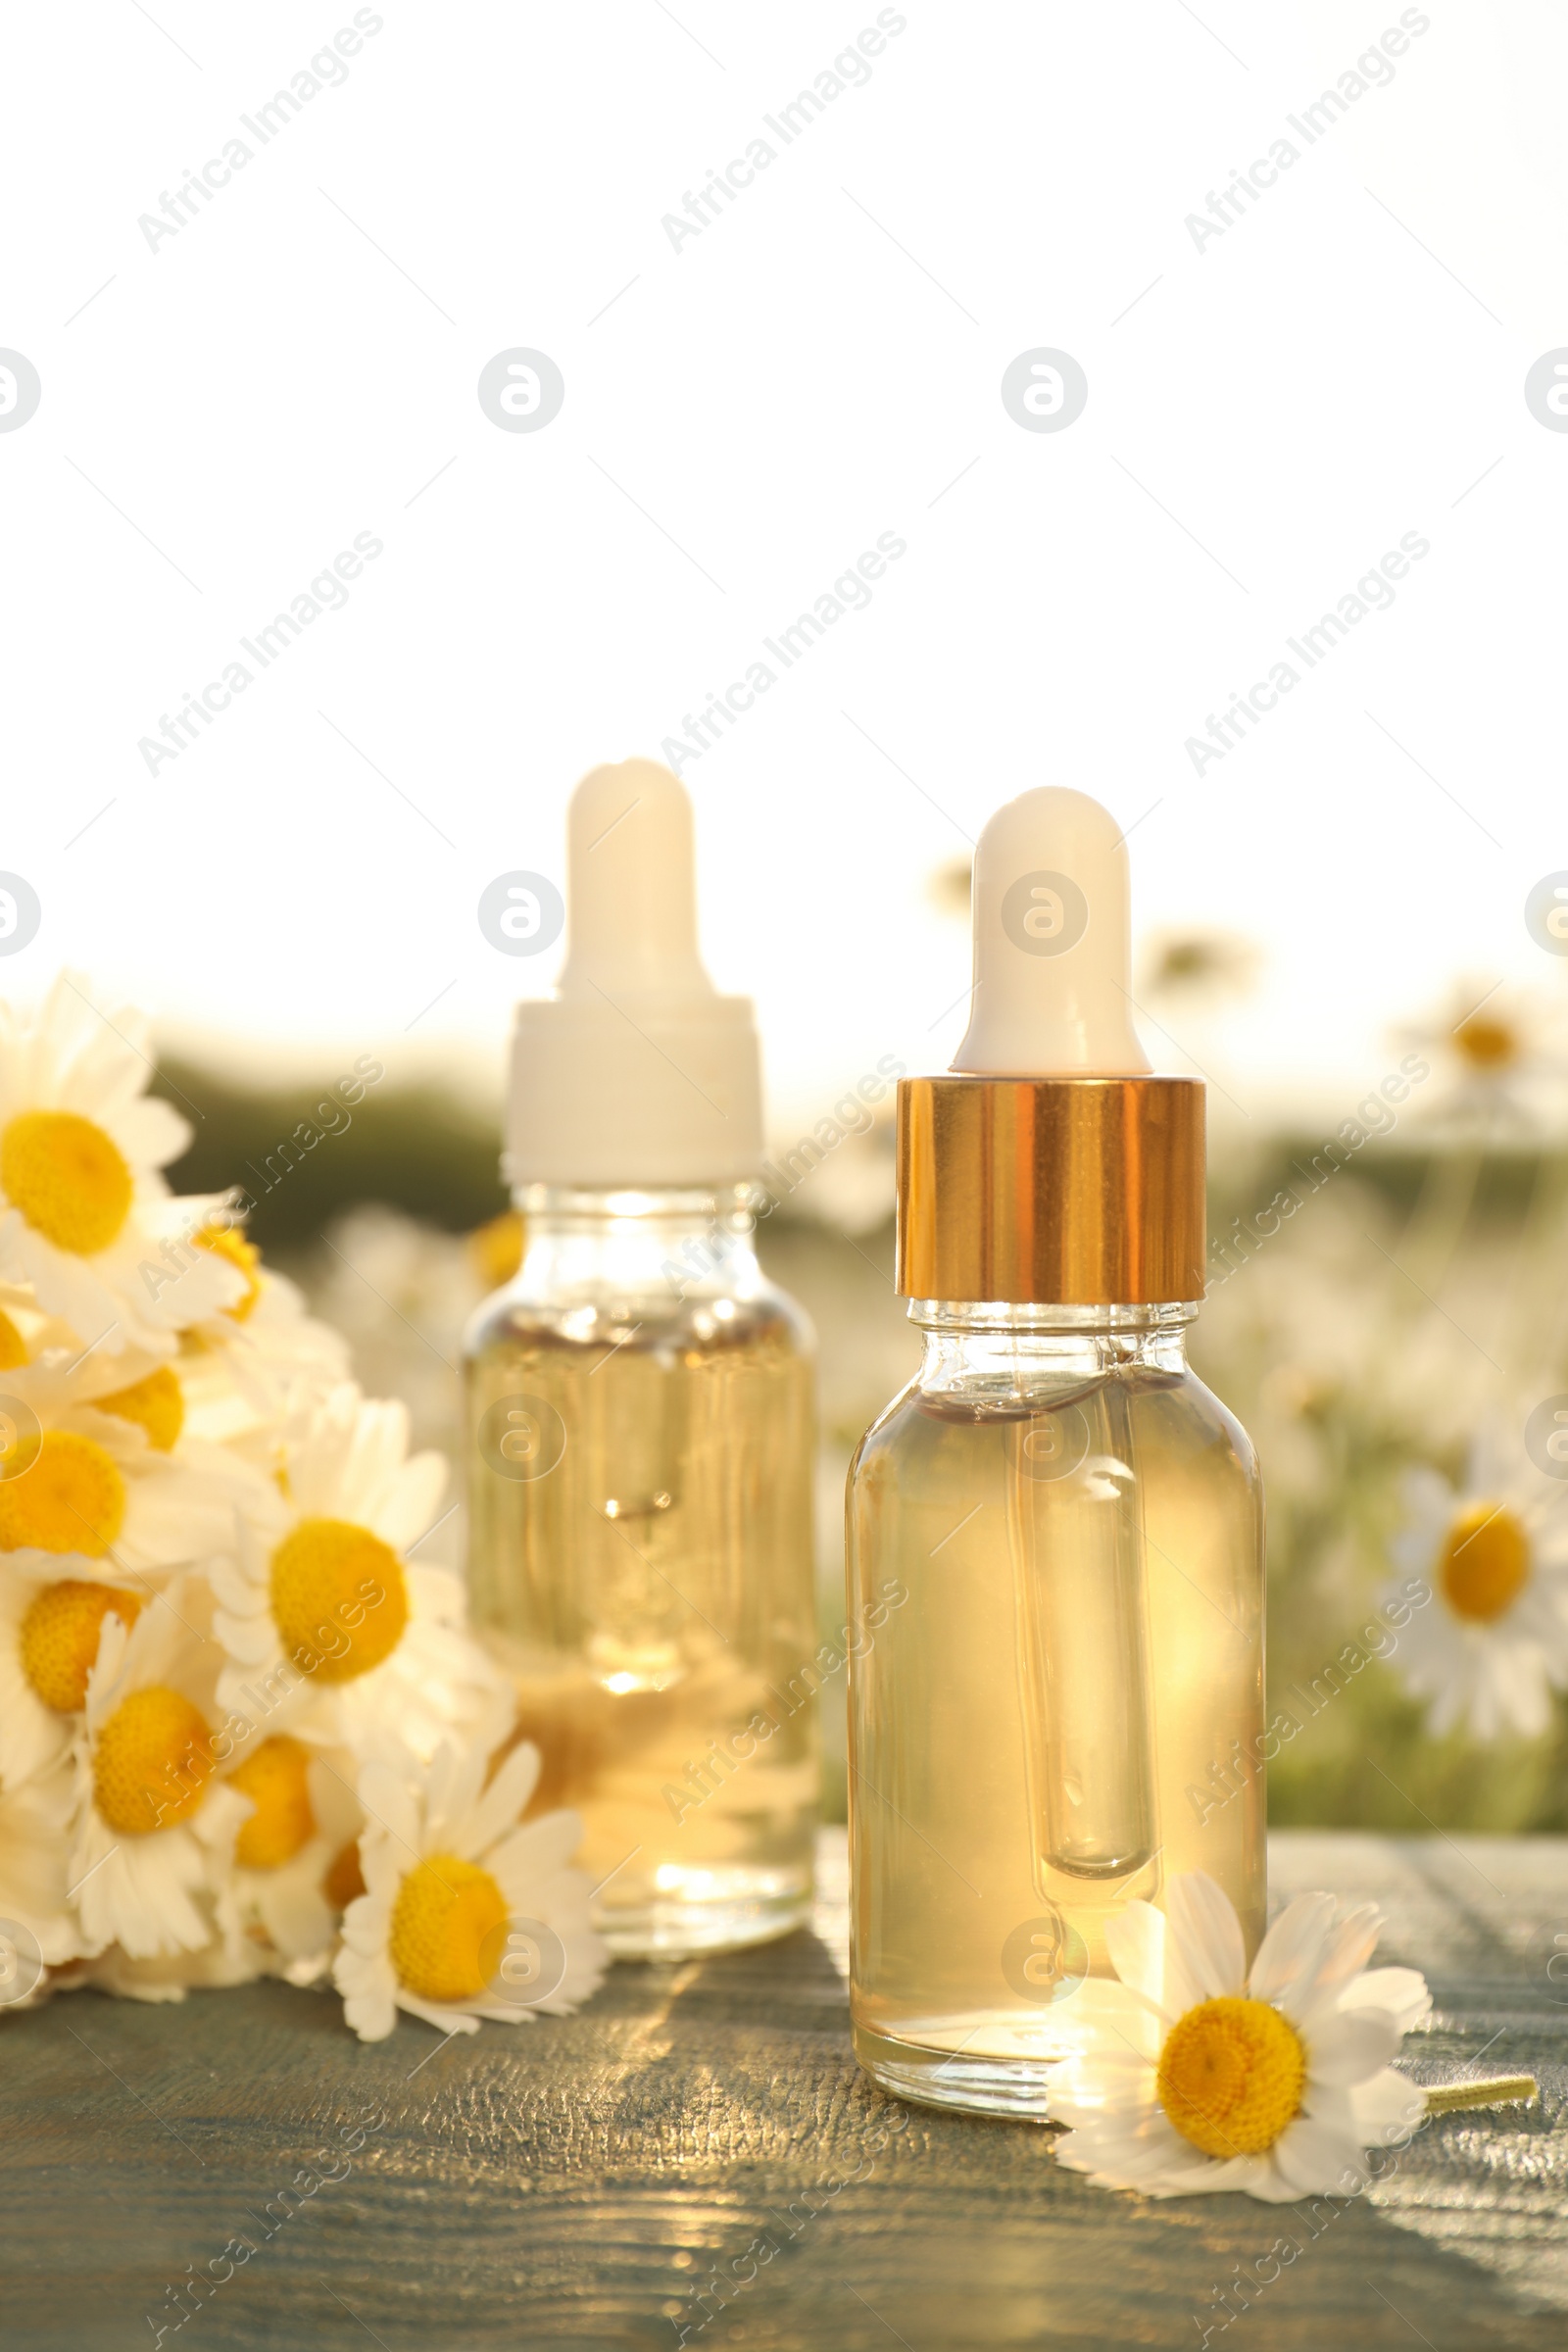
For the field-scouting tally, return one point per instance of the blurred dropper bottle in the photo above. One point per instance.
(1067, 1709)
(640, 1415)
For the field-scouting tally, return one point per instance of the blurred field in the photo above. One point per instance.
(1414, 1296)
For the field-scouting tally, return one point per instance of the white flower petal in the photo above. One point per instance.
(1351, 2047)
(32, 1863)
(369, 1989)
(1318, 2161)
(1387, 2109)
(1400, 1991)
(137, 1893)
(1262, 2176)
(1349, 1947)
(34, 1737)
(1091, 2097)
(1136, 1940)
(1157, 2170)
(1207, 1934)
(393, 1809)
(436, 2013)
(150, 1130)
(236, 1593)
(412, 1499)
(1142, 2141)
(366, 1923)
(1328, 2104)
(1287, 1957)
(250, 1640)
(501, 1806)
(535, 1852)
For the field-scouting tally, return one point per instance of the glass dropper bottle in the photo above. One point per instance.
(1040, 1733)
(639, 1416)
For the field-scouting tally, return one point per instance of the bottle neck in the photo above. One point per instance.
(649, 1241)
(1005, 1352)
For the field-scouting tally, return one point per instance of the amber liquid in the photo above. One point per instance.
(644, 1570)
(1050, 1725)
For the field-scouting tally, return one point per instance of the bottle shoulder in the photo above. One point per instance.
(1175, 1408)
(1211, 1414)
(754, 1314)
(883, 1431)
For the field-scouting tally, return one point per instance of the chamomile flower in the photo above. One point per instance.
(303, 1814)
(97, 1510)
(1500, 1054)
(153, 1828)
(242, 1363)
(85, 1216)
(1274, 2080)
(225, 1962)
(26, 1331)
(1493, 1642)
(71, 1387)
(49, 1630)
(465, 1914)
(321, 1596)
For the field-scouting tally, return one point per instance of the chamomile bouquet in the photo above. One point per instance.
(243, 1728)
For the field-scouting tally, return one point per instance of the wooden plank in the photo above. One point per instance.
(572, 2183)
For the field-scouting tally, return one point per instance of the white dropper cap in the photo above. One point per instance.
(636, 1071)
(1052, 964)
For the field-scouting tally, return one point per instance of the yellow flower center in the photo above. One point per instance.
(229, 1244)
(67, 1178)
(156, 1405)
(444, 1911)
(69, 1498)
(1231, 2076)
(60, 1637)
(344, 1881)
(496, 1248)
(13, 1346)
(1485, 1562)
(339, 1598)
(1486, 1043)
(152, 1763)
(276, 1779)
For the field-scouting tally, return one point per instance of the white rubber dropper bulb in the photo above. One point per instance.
(631, 891)
(635, 1071)
(1052, 952)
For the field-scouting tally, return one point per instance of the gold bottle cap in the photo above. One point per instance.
(1069, 1191)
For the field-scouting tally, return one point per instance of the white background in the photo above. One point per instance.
(822, 364)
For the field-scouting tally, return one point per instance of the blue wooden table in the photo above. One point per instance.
(697, 2152)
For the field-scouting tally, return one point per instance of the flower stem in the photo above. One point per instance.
(1486, 2090)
